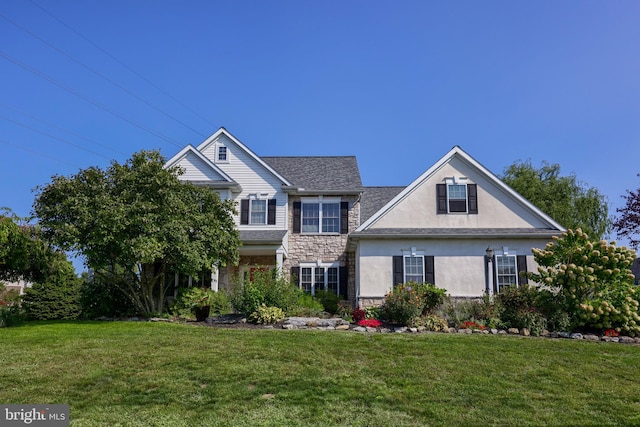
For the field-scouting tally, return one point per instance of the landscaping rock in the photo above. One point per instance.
(451, 330)
(564, 334)
(525, 332)
(514, 331)
(359, 329)
(159, 319)
(288, 326)
(400, 330)
(493, 331)
(591, 337)
(385, 330)
(422, 328)
(626, 340)
(342, 328)
(485, 332)
(413, 330)
(465, 331)
(576, 336)
(502, 332)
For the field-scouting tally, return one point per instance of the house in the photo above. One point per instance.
(313, 218)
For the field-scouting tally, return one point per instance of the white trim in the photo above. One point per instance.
(462, 155)
(321, 265)
(173, 161)
(223, 131)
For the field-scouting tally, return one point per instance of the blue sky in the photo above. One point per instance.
(396, 84)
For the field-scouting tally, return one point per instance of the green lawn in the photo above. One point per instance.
(153, 374)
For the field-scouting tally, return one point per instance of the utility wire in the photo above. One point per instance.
(88, 99)
(97, 73)
(36, 152)
(177, 101)
(26, 126)
(31, 116)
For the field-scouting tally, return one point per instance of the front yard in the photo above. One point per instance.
(153, 374)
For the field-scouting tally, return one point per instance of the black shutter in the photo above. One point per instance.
(344, 217)
(521, 261)
(441, 195)
(244, 211)
(295, 275)
(472, 193)
(297, 212)
(429, 270)
(271, 213)
(398, 270)
(344, 282)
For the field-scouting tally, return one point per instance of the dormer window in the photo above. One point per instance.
(457, 196)
(222, 154)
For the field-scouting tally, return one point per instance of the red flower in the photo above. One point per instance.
(370, 323)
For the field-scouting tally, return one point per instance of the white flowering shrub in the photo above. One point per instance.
(592, 280)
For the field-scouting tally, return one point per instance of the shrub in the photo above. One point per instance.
(268, 288)
(11, 315)
(57, 297)
(593, 281)
(432, 323)
(100, 296)
(373, 312)
(403, 304)
(370, 323)
(190, 298)
(329, 300)
(307, 306)
(358, 314)
(267, 315)
(431, 296)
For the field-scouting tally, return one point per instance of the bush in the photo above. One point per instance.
(329, 300)
(403, 304)
(267, 315)
(431, 296)
(432, 323)
(592, 280)
(373, 312)
(99, 296)
(12, 315)
(307, 306)
(57, 297)
(190, 298)
(358, 314)
(268, 288)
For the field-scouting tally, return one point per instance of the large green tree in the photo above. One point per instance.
(23, 254)
(570, 202)
(628, 223)
(136, 222)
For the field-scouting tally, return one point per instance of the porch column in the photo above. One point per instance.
(214, 278)
(279, 260)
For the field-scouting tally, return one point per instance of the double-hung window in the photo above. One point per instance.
(457, 196)
(414, 268)
(320, 216)
(506, 271)
(258, 214)
(222, 154)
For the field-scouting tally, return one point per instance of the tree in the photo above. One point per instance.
(627, 225)
(23, 254)
(135, 223)
(56, 297)
(565, 199)
(591, 281)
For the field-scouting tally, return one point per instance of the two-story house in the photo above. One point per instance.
(457, 225)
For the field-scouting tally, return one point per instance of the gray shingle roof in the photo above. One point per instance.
(249, 237)
(457, 232)
(374, 198)
(332, 173)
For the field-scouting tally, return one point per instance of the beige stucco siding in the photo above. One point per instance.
(459, 264)
(496, 209)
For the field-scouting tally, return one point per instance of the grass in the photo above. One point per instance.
(154, 374)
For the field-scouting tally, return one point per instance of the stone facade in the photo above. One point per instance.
(326, 248)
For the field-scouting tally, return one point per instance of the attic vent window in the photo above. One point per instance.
(222, 154)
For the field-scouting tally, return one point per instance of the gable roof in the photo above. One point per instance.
(224, 181)
(459, 153)
(254, 156)
(325, 175)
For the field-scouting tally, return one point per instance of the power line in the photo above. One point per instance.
(36, 152)
(31, 116)
(88, 99)
(26, 126)
(122, 63)
(97, 73)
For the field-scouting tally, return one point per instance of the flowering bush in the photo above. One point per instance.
(432, 323)
(267, 315)
(592, 281)
(469, 324)
(403, 304)
(611, 333)
(370, 323)
(358, 314)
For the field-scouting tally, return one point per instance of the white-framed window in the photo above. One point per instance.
(457, 197)
(320, 215)
(257, 211)
(222, 154)
(506, 271)
(318, 276)
(413, 265)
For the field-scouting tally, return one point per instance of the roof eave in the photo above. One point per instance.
(297, 191)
